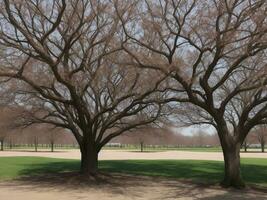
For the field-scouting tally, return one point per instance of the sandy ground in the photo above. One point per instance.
(122, 187)
(133, 155)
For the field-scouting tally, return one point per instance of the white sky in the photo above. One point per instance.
(194, 129)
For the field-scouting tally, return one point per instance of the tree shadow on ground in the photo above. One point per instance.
(214, 192)
(197, 171)
(207, 172)
(134, 187)
(182, 177)
(234, 195)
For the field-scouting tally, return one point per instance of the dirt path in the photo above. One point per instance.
(121, 187)
(128, 155)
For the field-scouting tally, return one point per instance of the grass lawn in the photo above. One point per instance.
(254, 170)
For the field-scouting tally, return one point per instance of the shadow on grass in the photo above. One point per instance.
(235, 195)
(205, 172)
(199, 171)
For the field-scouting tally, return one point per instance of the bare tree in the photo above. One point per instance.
(147, 136)
(2, 139)
(35, 142)
(214, 53)
(65, 57)
(200, 135)
(261, 135)
(7, 116)
(2, 133)
(246, 145)
(53, 136)
(32, 134)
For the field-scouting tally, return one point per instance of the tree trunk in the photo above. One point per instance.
(231, 152)
(2, 144)
(52, 146)
(262, 147)
(36, 144)
(10, 144)
(232, 173)
(245, 146)
(142, 146)
(89, 160)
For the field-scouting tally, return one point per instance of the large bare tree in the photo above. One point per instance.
(214, 53)
(65, 58)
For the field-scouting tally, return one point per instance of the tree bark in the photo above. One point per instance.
(89, 160)
(232, 172)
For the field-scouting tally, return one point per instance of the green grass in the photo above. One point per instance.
(254, 170)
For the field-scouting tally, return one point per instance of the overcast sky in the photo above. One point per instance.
(194, 129)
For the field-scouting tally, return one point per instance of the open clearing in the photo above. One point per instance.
(133, 155)
(153, 180)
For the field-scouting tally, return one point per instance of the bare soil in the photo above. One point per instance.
(133, 155)
(119, 187)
